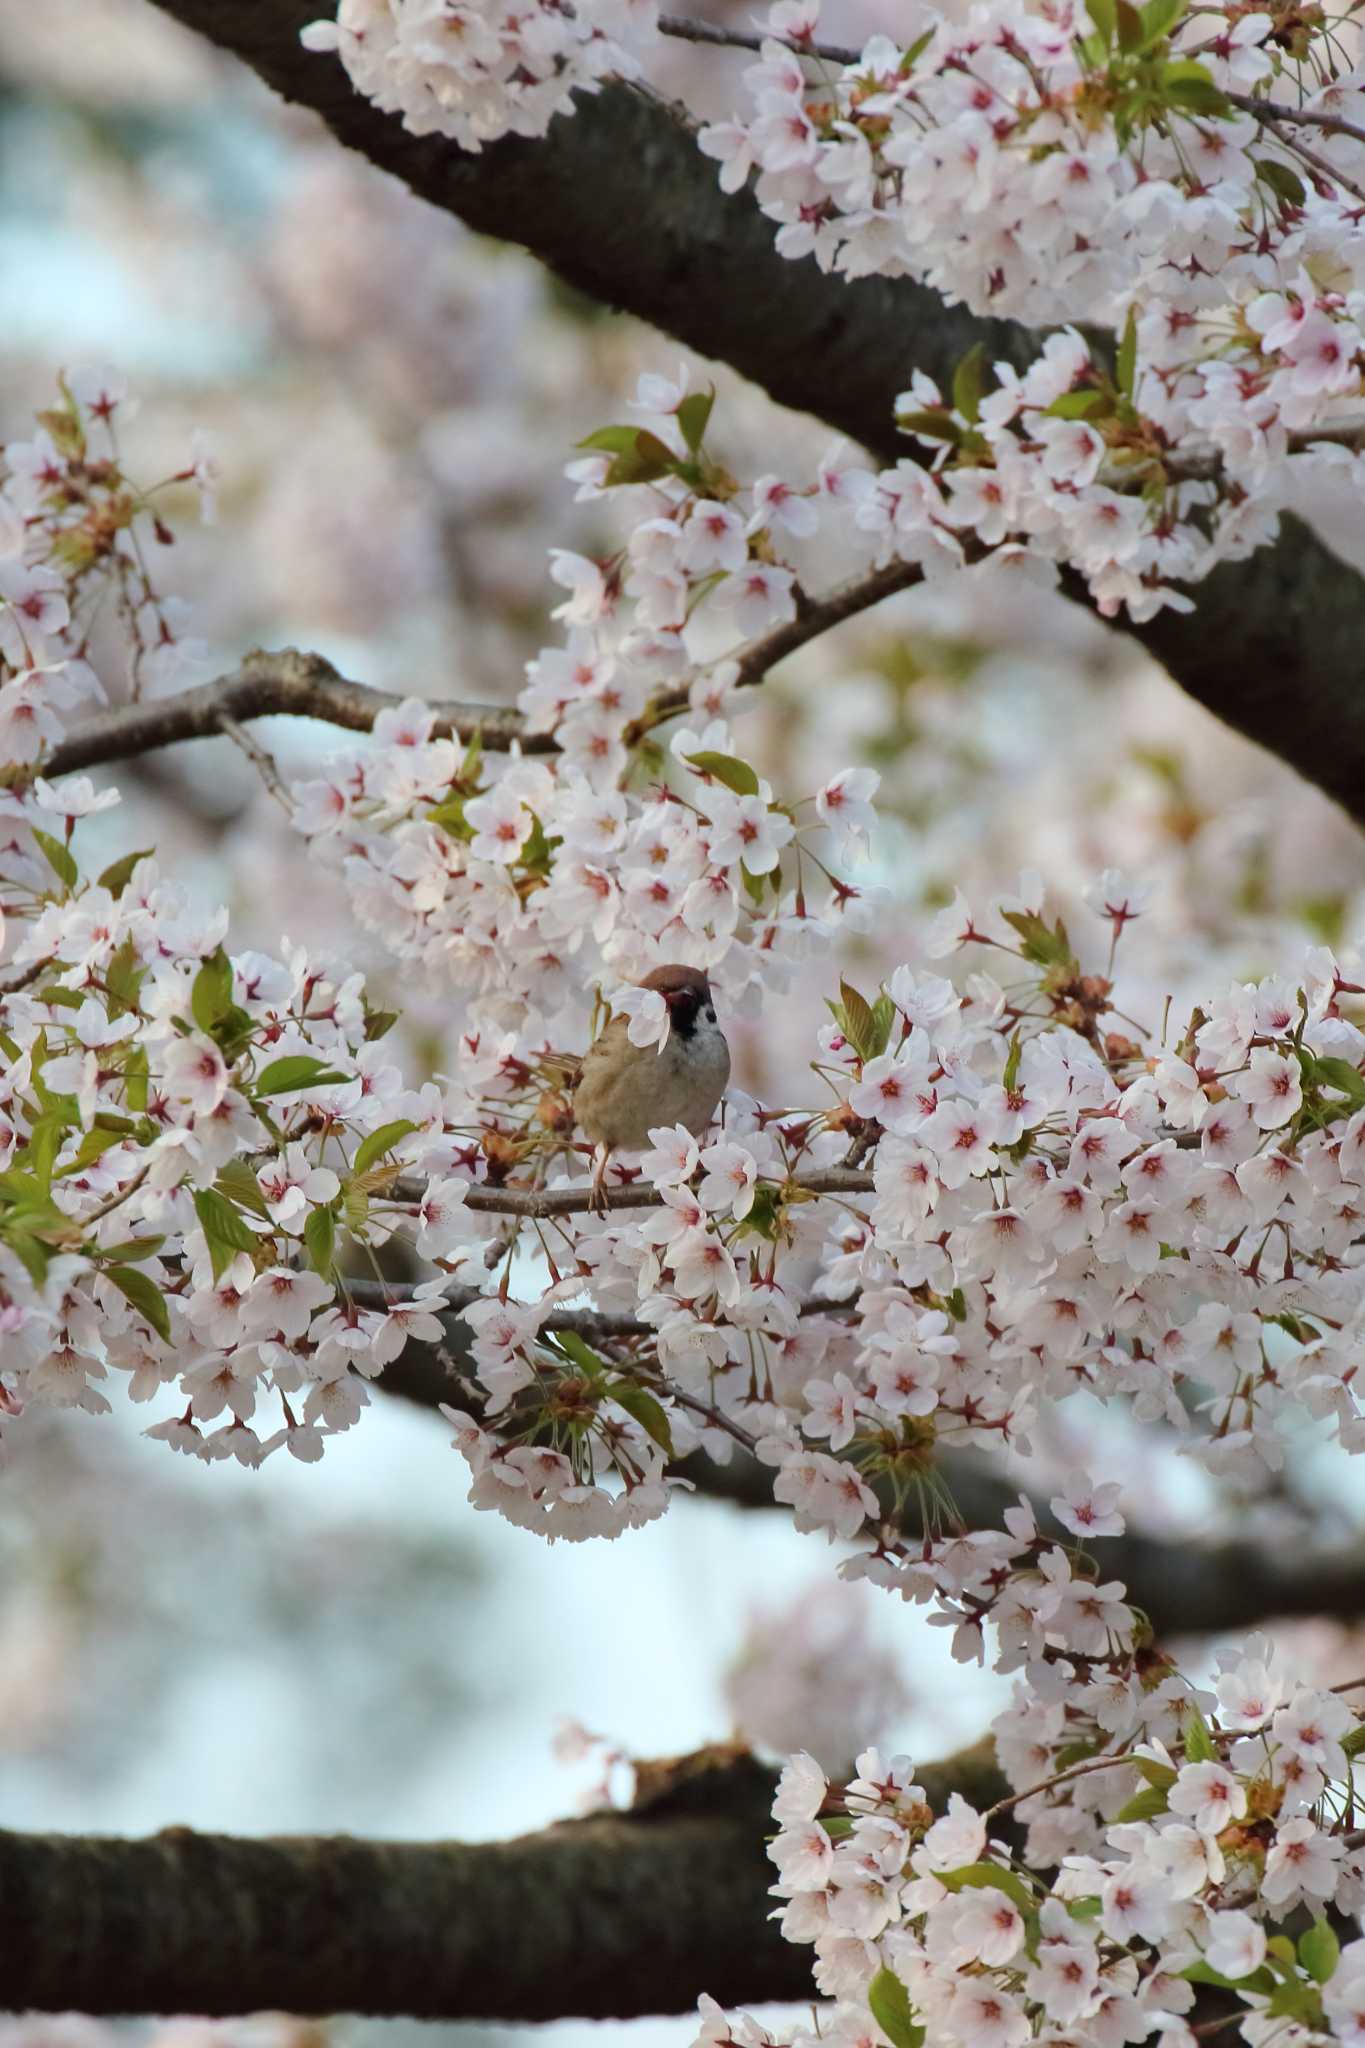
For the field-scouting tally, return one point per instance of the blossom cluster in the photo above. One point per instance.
(1145, 168)
(1180, 1828)
(75, 537)
(474, 70)
(585, 853)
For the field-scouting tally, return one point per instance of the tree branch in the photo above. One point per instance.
(611, 1917)
(291, 684)
(284, 685)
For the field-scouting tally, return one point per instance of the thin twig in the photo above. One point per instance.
(486, 1201)
(715, 1416)
(687, 31)
(115, 1201)
(262, 762)
(1271, 112)
(1096, 1763)
(816, 616)
(26, 976)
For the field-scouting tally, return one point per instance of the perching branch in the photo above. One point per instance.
(1273, 647)
(612, 1917)
(640, 1194)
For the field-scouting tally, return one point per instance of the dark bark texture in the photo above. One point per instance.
(611, 1917)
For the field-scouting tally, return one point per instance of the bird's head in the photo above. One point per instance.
(687, 993)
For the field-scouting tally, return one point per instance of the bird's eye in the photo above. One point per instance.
(710, 1016)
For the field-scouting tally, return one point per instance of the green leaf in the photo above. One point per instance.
(1085, 1909)
(381, 1141)
(1159, 17)
(88, 1151)
(61, 998)
(39, 1156)
(32, 1253)
(580, 1354)
(889, 2003)
(1080, 405)
(1340, 1076)
(1146, 1804)
(693, 416)
(1104, 15)
(1044, 945)
(1127, 363)
(858, 1025)
(645, 463)
(319, 1237)
(1129, 27)
(1187, 85)
(835, 1825)
(727, 768)
(1294, 2001)
(239, 1184)
(224, 1231)
(1354, 1742)
(211, 996)
(1161, 1775)
(930, 426)
(472, 764)
(640, 1404)
(1199, 1743)
(1016, 1053)
(1319, 1951)
(755, 886)
(610, 440)
(145, 1295)
(132, 1248)
(988, 1877)
(883, 1018)
(378, 1023)
(1202, 1973)
(968, 382)
(956, 1305)
(119, 873)
(296, 1070)
(59, 857)
(135, 1079)
(123, 978)
(537, 852)
(764, 1211)
(449, 816)
(1285, 183)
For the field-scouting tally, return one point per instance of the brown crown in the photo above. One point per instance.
(672, 981)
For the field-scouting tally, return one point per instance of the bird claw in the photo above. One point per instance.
(598, 1193)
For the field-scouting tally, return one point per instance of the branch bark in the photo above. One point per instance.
(1273, 646)
(611, 1917)
(283, 685)
(291, 684)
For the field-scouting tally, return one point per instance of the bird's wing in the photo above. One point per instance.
(604, 1066)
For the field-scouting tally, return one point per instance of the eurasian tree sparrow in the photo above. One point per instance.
(625, 1090)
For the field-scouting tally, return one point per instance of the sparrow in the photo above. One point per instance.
(625, 1090)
